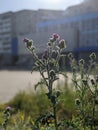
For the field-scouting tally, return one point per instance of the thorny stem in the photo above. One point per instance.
(94, 105)
(93, 114)
(37, 59)
(44, 78)
(50, 85)
(55, 116)
(83, 106)
(58, 57)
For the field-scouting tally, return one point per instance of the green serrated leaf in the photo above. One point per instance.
(39, 83)
(64, 74)
(34, 68)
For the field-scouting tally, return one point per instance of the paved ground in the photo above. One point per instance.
(12, 82)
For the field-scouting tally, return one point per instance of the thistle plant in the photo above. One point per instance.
(48, 66)
(85, 82)
(7, 113)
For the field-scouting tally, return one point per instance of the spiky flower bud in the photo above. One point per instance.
(96, 101)
(52, 73)
(51, 40)
(29, 44)
(49, 43)
(70, 56)
(54, 54)
(26, 40)
(84, 82)
(58, 93)
(77, 102)
(93, 56)
(62, 44)
(45, 55)
(7, 110)
(74, 69)
(81, 62)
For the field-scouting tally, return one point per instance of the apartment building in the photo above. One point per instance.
(6, 32)
(19, 24)
(78, 25)
(82, 21)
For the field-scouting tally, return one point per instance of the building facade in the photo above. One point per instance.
(14, 25)
(83, 19)
(78, 25)
(6, 32)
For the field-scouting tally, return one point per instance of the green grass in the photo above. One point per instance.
(28, 106)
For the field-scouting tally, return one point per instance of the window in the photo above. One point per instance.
(75, 24)
(96, 23)
(86, 25)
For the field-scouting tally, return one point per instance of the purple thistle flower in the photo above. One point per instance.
(8, 108)
(55, 36)
(92, 81)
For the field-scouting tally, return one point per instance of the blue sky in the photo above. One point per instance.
(15, 5)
